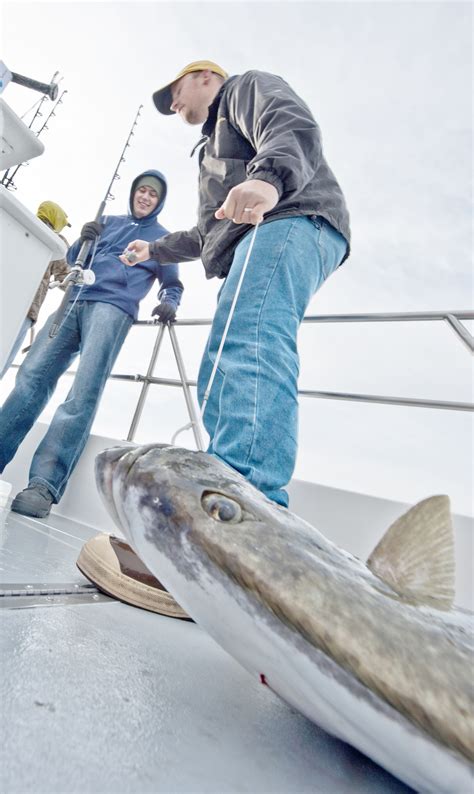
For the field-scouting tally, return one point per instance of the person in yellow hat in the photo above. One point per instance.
(53, 216)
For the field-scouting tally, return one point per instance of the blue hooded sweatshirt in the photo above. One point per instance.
(117, 283)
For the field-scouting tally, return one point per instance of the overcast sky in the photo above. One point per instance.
(391, 87)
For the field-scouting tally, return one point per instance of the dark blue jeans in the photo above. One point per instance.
(94, 330)
(252, 412)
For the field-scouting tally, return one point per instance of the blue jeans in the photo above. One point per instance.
(252, 412)
(96, 331)
(25, 327)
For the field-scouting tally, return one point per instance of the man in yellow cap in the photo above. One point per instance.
(53, 216)
(261, 162)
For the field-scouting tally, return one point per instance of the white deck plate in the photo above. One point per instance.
(104, 697)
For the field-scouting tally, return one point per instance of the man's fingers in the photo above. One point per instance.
(227, 209)
(251, 215)
(133, 253)
(129, 257)
(248, 202)
(238, 213)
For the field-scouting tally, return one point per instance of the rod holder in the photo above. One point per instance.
(50, 89)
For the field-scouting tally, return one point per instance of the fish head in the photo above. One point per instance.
(175, 498)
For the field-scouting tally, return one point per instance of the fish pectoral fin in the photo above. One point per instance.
(416, 555)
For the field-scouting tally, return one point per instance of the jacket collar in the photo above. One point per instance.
(210, 123)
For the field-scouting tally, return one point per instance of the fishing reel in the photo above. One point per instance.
(78, 277)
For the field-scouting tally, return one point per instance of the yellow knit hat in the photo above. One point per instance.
(53, 214)
(163, 98)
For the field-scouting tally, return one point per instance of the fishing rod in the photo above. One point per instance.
(8, 180)
(39, 102)
(52, 113)
(78, 276)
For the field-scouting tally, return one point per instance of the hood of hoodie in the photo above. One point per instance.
(151, 218)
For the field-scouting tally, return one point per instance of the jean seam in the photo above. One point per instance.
(324, 254)
(50, 487)
(26, 406)
(48, 369)
(284, 243)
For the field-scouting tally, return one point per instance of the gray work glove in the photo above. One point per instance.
(91, 231)
(165, 312)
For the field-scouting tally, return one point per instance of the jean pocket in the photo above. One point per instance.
(317, 222)
(333, 248)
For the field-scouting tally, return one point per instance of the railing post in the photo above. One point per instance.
(187, 391)
(146, 383)
(461, 331)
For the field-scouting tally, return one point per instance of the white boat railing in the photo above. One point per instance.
(452, 318)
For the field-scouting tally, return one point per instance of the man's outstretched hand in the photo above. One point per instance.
(248, 202)
(138, 251)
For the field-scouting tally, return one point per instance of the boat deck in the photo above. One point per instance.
(98, 696)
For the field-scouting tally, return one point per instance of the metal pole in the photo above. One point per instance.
(411, 402)
(51, 90)
(146, 383)
(388, 317)
(187, 392)
(461, 332)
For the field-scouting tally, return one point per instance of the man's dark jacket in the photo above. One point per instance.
(257, 128)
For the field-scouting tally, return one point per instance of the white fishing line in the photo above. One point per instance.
(224, 336)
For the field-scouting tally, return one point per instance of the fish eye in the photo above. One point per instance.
(222, 508)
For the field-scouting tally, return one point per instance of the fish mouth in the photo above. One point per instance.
(112, 467)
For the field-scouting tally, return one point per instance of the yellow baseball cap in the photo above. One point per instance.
(163, 98)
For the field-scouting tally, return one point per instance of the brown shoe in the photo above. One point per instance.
(114, 568)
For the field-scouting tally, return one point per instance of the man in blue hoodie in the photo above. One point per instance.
(96, 323)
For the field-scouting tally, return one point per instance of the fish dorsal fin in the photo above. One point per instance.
(416, 554)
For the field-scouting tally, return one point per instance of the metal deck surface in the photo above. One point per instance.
(98, 696)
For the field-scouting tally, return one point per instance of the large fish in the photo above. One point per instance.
(374, 653)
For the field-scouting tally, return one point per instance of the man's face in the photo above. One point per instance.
(192, 96)
(145, 200)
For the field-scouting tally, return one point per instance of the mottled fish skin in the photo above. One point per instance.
(414, 659)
